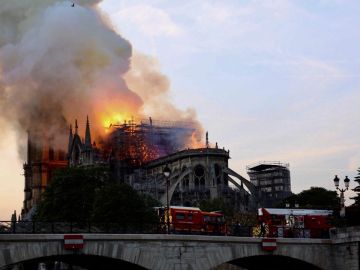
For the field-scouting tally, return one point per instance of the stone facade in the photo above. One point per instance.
(196, 174)
(43, 158)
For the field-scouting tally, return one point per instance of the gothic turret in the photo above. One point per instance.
(87, 152)
(70, 140)
(87, 135)
(76, 127)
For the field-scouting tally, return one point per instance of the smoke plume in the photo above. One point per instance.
(59, 62)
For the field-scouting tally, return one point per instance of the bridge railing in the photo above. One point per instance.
(280, 232)
(38, 227)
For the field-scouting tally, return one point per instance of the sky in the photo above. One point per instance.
(271, 80)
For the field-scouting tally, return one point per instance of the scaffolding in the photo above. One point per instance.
(137, 143)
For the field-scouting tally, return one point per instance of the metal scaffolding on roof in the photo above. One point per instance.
(140, 142)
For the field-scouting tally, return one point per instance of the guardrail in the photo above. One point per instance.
(40, 227)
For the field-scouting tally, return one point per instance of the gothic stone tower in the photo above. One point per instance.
(81, 152)
(44, 156)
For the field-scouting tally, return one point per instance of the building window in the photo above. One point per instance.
(278, 181)
(199, 176)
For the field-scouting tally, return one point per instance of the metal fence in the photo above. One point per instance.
(39, 227)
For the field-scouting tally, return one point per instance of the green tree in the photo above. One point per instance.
(217, 205)
(357, 190)
(120, 203)
(88, 195)
(70, 196)
(314, 198)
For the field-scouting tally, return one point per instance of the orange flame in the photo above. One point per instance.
(195, 142)
(114, 118)
(111, 109)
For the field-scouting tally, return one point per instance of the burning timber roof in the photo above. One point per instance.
(188, 153)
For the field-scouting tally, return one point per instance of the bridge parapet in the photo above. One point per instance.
(346, 234)
(163, 251)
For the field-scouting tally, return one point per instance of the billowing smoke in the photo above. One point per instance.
(59, 62)
(152, 86)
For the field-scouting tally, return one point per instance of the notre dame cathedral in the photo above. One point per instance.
(136, 153)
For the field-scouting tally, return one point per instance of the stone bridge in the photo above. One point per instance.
(184, 251)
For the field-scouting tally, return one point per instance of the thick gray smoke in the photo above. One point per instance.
(59, 62)
(55, 60)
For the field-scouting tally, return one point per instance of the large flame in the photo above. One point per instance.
(114, 118)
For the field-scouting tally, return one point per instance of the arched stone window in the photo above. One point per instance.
(199, 176)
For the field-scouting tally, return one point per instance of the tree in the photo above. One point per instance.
(70, 195)
(88, 195)
(314, 198)
(357, 190)
(217, 205)
(120, 203)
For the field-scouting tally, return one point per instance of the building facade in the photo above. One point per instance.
(43, 158)
(272, 180)
(196, 175)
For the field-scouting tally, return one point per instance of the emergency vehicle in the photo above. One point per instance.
(307, 223)
(192, 220)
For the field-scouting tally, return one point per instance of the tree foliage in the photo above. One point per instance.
(314, 198)
(70, 195)
(357, 190)
(119, 203)
(217, 205)
(88, 195)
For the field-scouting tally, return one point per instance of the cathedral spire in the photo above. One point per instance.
(70, 139)
(87, 134)
(76, 127)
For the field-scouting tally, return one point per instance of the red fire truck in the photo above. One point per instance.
(307, 223)
(192, 220)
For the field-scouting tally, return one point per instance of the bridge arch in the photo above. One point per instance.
(90, 262)
(278, 262)
(123, 253)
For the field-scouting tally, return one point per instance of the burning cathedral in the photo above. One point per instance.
(136, 152)
(59, 61)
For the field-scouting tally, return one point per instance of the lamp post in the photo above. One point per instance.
(342, 191)
(166, 173)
